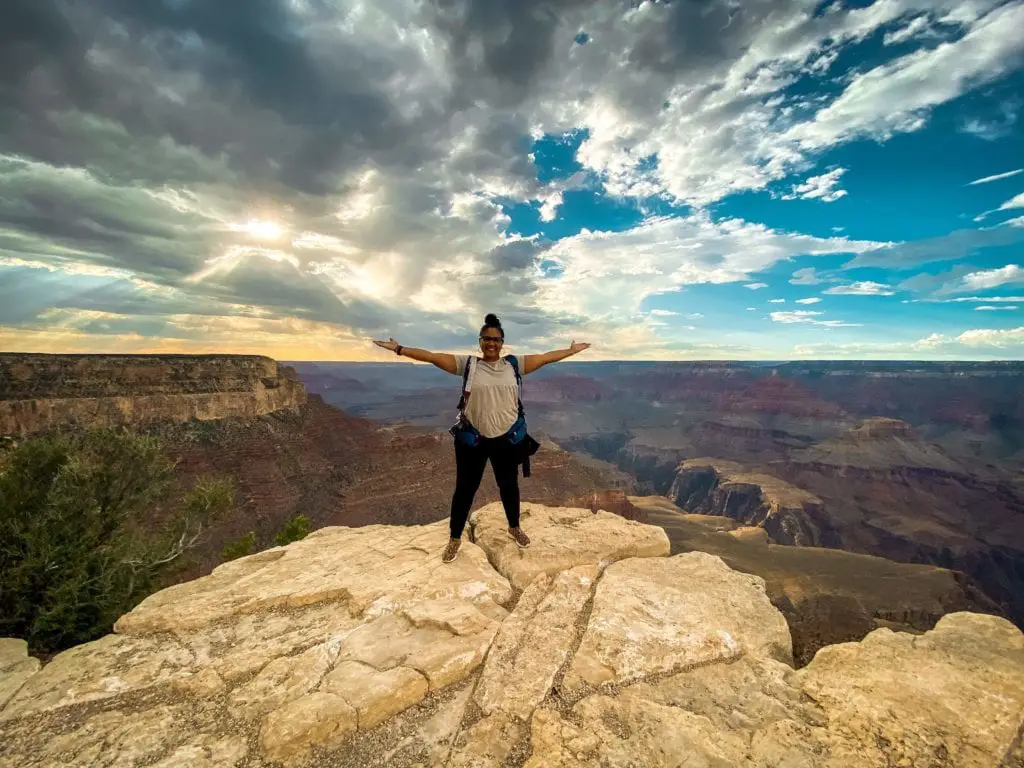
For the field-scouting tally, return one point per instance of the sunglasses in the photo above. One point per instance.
(495, 339)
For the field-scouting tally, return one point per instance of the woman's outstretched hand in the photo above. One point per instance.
(390, 344)
(574, 347)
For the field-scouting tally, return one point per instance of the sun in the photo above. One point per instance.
(262, 229)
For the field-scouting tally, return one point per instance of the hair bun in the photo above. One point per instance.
(492, 320)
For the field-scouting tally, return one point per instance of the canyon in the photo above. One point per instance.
(818, 482)
(916, 462)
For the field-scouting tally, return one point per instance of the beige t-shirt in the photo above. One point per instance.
(493, 404)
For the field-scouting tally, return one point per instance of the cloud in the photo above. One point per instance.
(996, 177)
(990, 130)
(606, 275)
(993, 278)
(861, 288)
(812, 300)
(990, 308)
(895, 97)
(383, 140)
(809, 317)
(756, 286)
(663, 312)
(918, 26)
(977, 299)
(955, 246)
(823, 187)
(983, 280)
(988, 337)
(776, 301)
(998, 339)
(810, 276)
(1013, 202)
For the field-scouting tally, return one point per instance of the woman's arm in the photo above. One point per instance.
(442, 360)
(532, 362)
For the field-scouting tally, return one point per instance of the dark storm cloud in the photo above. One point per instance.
(46, 210)
(515, 256)
(515, 36)
(282, 106)
(36, 35)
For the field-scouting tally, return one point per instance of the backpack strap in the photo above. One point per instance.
(470, 362)
(514, 362)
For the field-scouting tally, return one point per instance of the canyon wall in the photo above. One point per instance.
(40, 392)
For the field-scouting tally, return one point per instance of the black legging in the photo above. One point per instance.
(469, 471)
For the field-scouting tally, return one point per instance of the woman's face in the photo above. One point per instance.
(491, 341)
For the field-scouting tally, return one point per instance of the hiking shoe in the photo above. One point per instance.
(521, 538)
(451, 550)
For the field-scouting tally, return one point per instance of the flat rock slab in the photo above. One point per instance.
(657, 616)
(302, 646)
(375, 569)
(16, 667)
(562, 538)
(952, 697)
(534, 642)
(955, 693)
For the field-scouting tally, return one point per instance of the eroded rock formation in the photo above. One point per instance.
(718, 487)
(358, 647)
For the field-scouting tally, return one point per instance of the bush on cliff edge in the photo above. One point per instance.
(74, 551)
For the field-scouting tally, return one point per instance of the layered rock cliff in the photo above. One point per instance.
(717, 487)
(358, 647)
(40, 392)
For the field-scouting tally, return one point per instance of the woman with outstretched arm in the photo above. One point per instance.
(491, 420)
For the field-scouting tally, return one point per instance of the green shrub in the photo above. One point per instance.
(295, 529)
(76, 551)
(244, 546)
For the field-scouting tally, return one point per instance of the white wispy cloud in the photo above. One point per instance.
(776, 301)
(896, 96)
(861, 288)
(997, 338)
(756, 286)
(810, 276)
(990, 308)
(992, 129)
(977, 299)
(607, 275)
(983, 280)
(823, 187)
(663, 312)
(810, 317)
(812, 300)
(996, 177)
(1013, 202)
(917, 26)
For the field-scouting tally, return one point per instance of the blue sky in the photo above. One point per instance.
(771, 181)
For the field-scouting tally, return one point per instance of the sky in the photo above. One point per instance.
(666, 180)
